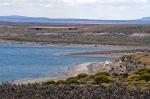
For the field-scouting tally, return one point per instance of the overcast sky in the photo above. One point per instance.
(87, 9)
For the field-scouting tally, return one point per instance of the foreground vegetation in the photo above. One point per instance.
(37, 91)
(139, 79)
(101, 85)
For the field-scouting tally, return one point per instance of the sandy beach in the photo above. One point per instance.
(86, 67)
(72, 71)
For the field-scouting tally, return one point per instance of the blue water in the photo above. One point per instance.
(28, 61)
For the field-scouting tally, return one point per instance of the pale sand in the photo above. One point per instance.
(72, 71)
(79, 68)
(86, 67)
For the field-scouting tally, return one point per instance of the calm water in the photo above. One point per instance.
(27, 61)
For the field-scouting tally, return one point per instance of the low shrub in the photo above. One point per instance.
(102, 79)
(61, 82)
(91, 82)
(72, 80)
(82, 75)
(106, 84)
(145, 76)
(49, 82)
(102, 73)
(142, 71)
(91, 76)
(132, 77)
(38, 91)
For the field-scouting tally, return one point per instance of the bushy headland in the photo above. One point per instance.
(128, 78)
(110, 34)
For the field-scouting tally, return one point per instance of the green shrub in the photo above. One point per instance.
(49, 82)
(102, 79)
(72, 80)
(82, 75)
(106, 84)
(142, 71)
(91, 82)
(145, 76)
(132, 77)
(91, 76)
(61, 82)
(102, 73)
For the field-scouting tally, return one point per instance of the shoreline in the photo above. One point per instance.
(98, 46)
(113, 54)
(82, 67)
(72, 71)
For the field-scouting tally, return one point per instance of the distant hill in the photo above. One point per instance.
(14, 18)
(146, 19)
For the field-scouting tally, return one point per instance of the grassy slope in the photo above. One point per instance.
(85, 34)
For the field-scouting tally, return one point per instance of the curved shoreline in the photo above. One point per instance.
(72, 71)
(83, 67)
(86, 67)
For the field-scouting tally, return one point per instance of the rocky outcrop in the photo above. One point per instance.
(100, 66)
(119, 66)
(130, 63)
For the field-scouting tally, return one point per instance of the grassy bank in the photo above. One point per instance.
(82, 34)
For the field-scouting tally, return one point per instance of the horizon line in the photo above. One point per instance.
(73, 18)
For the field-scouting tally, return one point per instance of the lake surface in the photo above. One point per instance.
(34, 61)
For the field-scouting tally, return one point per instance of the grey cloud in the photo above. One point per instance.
(77, 2)
(114, 9)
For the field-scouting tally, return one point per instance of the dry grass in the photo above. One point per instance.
(142, 57)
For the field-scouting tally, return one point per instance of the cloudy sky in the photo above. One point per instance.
(87, 9)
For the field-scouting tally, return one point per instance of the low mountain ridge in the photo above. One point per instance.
(15, 18)
(146, 18)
